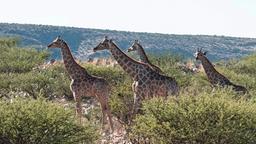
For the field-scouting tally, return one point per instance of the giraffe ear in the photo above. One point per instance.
(205, 52)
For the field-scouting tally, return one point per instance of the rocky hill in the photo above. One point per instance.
(82, 40)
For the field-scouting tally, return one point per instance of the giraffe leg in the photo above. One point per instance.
(109, 117)
(135, 97)
(134, 85)
(103, 107)
(105, 111)
(78, 106)
(134, 110)
(137, 102)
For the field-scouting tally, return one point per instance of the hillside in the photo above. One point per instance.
(82, 40)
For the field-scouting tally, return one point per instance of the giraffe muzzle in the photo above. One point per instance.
(49, 46)
(94, 49)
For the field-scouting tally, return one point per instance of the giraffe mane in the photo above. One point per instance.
(143, 51)
(62, 40)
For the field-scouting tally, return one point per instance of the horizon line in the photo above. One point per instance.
(80, 27)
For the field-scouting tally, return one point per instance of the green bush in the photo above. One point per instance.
(245, 65)
(241, 72)
(112, 74)
(205, 118)
(166, 60)
(8, 42)
(121, 101)
(168, 63)
(51, 82)
(18, 60)
(28, 121)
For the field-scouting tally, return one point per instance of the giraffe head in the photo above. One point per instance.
(200, 54)
(134, 46)
(103, 45)
(57, 43)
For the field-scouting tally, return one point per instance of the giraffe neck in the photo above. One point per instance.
(208, 67)
(129, 65)
(213, 75)
(71, 65)
(142, 55)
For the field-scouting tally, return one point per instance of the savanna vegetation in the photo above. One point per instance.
(30, 110)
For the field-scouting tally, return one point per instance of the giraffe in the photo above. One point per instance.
(136, 46)
(84, 84)
(214, 77)
(146, 82)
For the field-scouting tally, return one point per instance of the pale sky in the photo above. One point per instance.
(208, 17)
